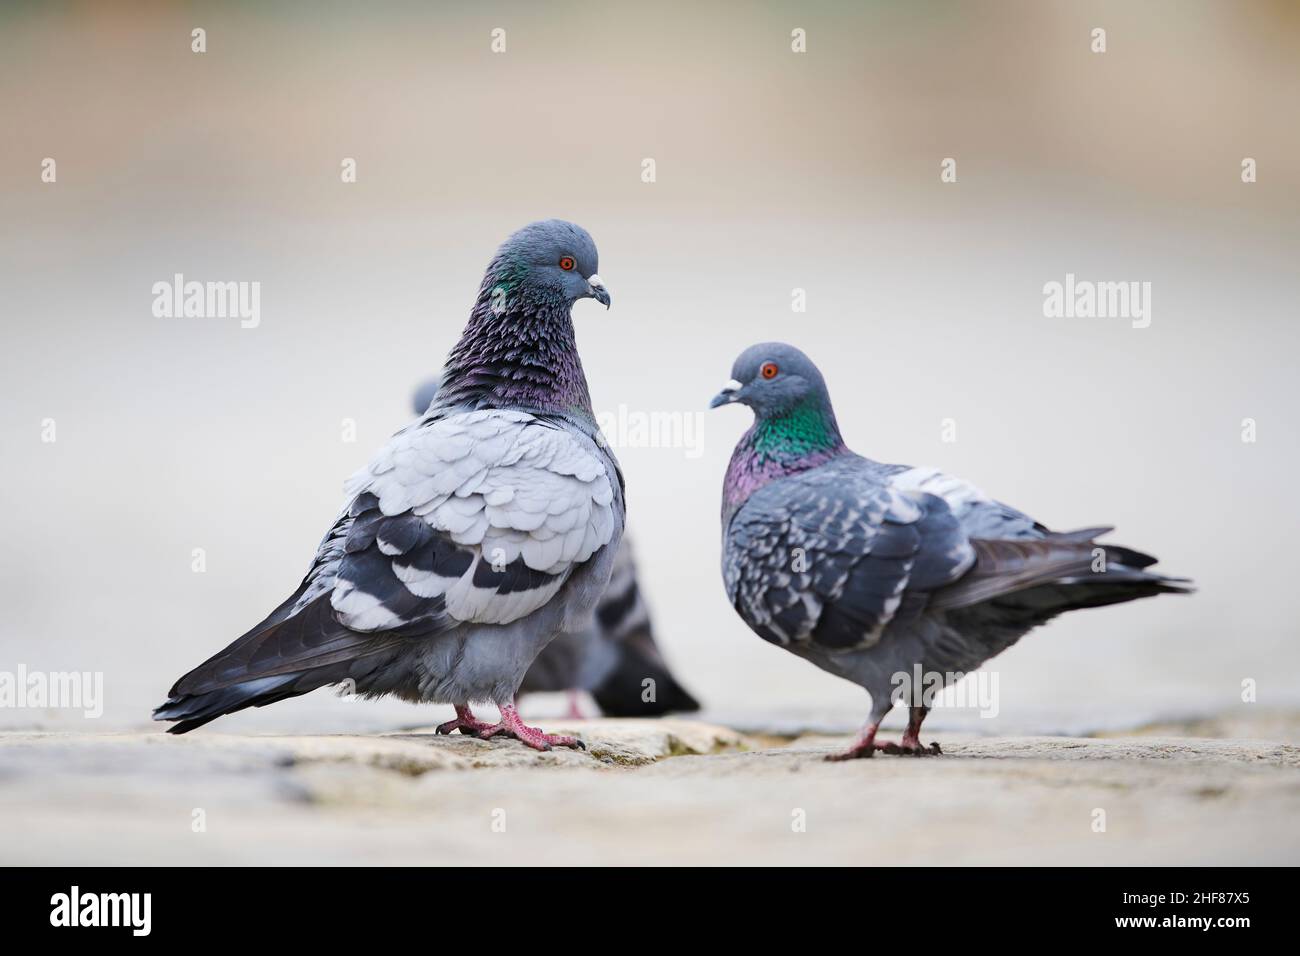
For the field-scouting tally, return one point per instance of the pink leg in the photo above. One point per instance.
(911, 743)
(866, 745)
(513, 725)
(465, 722)
(863, 746)
(575, 706)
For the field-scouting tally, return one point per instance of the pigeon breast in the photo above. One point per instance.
(474, 517)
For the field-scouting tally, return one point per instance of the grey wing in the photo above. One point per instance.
(1052, 570)
(475, 517)
(478, 517)
(979, 515)
(835, 561)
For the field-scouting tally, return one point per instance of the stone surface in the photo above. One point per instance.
(666, 791)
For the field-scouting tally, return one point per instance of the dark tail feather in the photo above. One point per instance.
(196, 710)
(280, 658)
(1050, 600)
(1062, 568)
(622, 693)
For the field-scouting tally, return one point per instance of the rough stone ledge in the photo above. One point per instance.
(610, 743)
(645, 792)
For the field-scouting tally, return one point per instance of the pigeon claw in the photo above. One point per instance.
(465, 722)
(910, 748)
(862, 749)
(853, 753)
(533, 737)
(907, 748)
(464, 726)
(513, 726)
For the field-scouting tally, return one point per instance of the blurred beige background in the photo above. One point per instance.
(775, 171)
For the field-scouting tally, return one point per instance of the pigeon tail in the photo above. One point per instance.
(623, 691)
(194, 710)
(1061, 572)
(285, 656)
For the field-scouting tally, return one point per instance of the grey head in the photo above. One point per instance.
(556, 257)
(774, 378)
(518, 349)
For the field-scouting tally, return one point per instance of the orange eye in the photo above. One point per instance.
(567, 263)
(768, 370)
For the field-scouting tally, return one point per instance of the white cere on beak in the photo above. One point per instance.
(733, 386)
(594, 281)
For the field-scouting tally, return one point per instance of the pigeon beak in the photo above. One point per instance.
(729, 393)
(598, 290)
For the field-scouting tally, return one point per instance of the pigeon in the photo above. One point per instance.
(897, 578)
(475, 536)
(614, 657)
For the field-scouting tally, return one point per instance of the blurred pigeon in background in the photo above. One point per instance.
(899, 579)
(614, 658)
(478, 534)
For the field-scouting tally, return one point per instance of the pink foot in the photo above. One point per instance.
(867, 746)
(853, 753)
(863, 747)
(910, 748)
(465, 722)
(911, 743)
(513, 726)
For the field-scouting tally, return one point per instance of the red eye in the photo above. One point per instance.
(768, 370)
(567, 263)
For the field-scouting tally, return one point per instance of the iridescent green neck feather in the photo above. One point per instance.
(805, 429)
(778, 445)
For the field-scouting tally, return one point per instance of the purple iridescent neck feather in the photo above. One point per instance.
(777, 446)
(518, 349)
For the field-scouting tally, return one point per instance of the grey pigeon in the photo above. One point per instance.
(478, 534)
(613, 658)
(880, 573)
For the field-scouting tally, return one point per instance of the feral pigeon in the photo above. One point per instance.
(899, 579)
(474, 537)
(616, 655)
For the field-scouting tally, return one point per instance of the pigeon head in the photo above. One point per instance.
(773, 379)
(518, 349)
(794, 426)
(548, 260)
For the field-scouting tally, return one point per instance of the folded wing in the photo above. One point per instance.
(475, 517)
